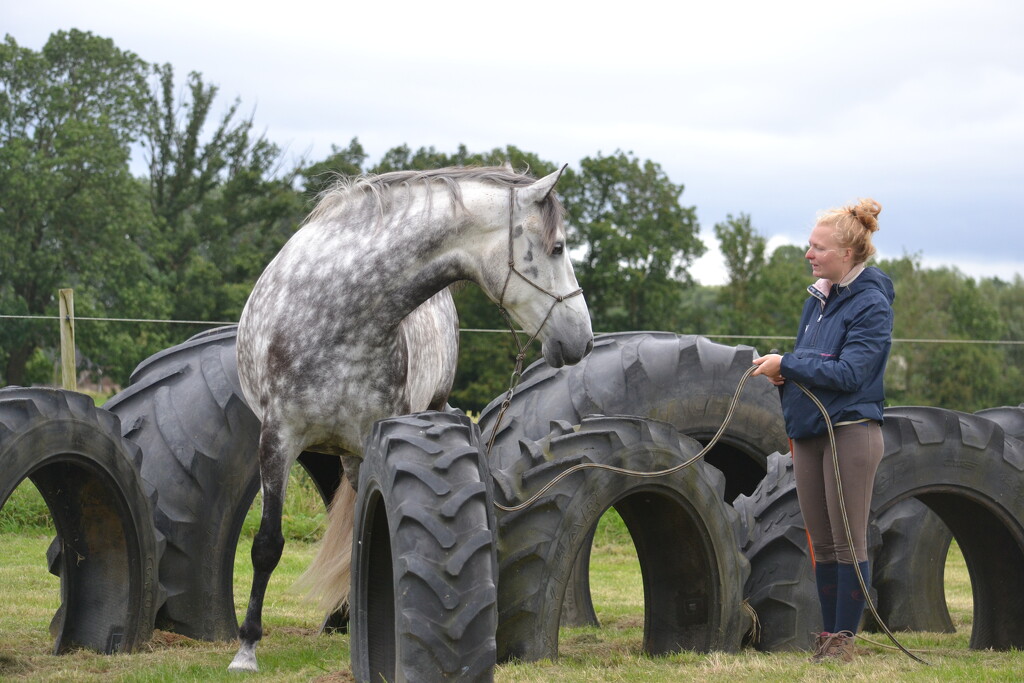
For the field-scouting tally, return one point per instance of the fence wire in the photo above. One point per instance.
(221, 323)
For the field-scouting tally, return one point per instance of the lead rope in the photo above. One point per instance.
(661, 473)
(634, 473)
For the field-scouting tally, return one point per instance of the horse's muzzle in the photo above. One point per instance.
(558, 353)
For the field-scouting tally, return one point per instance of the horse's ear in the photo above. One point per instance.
(507, 165)
(539, 190)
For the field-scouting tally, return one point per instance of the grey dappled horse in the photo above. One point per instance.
(353, 322)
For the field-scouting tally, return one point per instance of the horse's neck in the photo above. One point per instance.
(388, 272)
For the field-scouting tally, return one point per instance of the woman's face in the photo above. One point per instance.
(827, 259)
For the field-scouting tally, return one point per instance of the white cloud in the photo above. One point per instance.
(774, 110)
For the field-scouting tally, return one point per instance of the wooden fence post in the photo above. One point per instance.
(68, 371)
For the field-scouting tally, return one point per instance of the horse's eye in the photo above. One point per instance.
(558, 249)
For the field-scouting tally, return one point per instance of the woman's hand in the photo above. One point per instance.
(771, 367)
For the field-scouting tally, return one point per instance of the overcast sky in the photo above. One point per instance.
(776, 110)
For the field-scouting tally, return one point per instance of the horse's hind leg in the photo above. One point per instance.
(267, 545)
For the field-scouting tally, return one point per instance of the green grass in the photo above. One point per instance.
(25, 512)
(292, 651)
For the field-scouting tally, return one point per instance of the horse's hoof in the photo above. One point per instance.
(243, 667)
(245, 660)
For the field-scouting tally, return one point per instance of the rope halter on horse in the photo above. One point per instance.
(521, 355)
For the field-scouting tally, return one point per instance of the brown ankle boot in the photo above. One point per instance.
(835, 647)
(819, 645)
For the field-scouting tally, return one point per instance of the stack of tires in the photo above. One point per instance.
(185, 409)
(457, 566)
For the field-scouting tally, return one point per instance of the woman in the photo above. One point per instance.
(841, 350)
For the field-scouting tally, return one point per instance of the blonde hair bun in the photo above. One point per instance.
(866, 211)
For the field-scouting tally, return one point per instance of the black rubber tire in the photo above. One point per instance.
(685, 380)
(423, 557)
(88, 475)
(184, 407)
(910, 567)
(1010, 418)
(969, 472)
(685, 535)
(909, 570)
(781, 588)
(965, 469)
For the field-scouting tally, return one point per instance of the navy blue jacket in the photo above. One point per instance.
(840, 355)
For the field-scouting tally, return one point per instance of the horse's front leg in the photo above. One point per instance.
(267, 547)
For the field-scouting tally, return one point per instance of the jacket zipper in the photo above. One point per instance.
(821, 313)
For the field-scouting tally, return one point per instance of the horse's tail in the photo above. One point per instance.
(328, 577)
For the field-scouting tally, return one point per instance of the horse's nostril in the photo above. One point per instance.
(590, 347)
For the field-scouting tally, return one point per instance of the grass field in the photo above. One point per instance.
(292, 650)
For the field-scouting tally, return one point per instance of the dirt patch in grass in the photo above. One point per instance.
(11, 665)
(625, 622)
(162, 640)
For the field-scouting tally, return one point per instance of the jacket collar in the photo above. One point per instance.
(821, 289)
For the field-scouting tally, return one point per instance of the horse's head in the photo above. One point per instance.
(535, 283)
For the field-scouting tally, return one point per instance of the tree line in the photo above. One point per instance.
(187, 238)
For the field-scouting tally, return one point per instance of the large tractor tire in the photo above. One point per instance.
(185, 409)
(685, 535)
(685, 380)
(108, 550)
(909, 570)
(965, 469)
(423, 556)
(968, 472)
(1010, 418)
(910, 566)
(781, 587)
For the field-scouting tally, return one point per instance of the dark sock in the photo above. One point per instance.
(825, 577)
(849, 597)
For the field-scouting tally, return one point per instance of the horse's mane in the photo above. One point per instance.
(344, 195)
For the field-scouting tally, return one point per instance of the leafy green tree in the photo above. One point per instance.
(943, 304)
(975, 376)
(636, 241)
(765, 294)
(781, 291)
(222, 203)
(1008, 298)
(341, 163)
(402, 158)
(72, 215)
(699, 310)
(398, 159)
(743, 250)
(520, 160)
